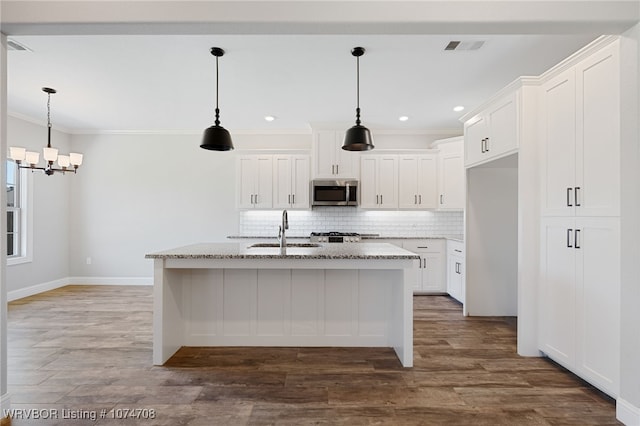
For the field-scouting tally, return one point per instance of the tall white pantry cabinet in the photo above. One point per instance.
(580, 218)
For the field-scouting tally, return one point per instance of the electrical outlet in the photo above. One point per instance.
(88, 261)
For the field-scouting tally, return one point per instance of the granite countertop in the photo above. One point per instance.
(364, 237)
(370, 251)
(417, 237)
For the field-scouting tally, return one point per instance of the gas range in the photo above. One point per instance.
(334, 237)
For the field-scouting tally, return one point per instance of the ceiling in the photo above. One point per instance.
(167, 82)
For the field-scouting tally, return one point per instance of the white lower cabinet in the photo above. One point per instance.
(431, 271)
(580, 297)
(455, 270)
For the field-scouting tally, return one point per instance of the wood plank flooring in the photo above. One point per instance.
(87, 349)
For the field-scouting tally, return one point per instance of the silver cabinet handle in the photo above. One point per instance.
(576, 238)
(486, 145)
(575, 196)
(415, 199)
(569, 197)
(423, 247)
(381, 202)
(377, 202)
(482, 145)
(459, 251)
(337, 169)
(569, 243)
(333, 169)
(256, 198)
(293, 197)
(289, 197)
(441, 198)
(419, 199)
(252, 199)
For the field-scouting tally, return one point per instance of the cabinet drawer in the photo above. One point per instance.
(455, 248)
(432, 245)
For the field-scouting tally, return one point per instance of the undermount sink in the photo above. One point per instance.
(265, 245)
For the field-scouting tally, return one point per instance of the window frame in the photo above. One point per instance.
(24, 219)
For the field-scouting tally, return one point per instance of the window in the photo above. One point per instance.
(18, 219)
(14, 213)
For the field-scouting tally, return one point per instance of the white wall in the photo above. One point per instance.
(137, 194)
(50, 211)
(491, 238)
(629, 401)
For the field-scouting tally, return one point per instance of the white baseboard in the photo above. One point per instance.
(110, 280)
(35, 289)
(627, 413)
(5, 404)
(51, 285)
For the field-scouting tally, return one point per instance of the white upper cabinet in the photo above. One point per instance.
(451, 175)
(492, 133)
(330, 160)
(417, 181)
(580, 129)
(291, 181)
(379, 182)
(254, 177)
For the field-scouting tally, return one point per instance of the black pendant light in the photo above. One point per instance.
(216, 137)
(358, 137)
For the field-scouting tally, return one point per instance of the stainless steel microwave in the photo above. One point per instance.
(331, 192)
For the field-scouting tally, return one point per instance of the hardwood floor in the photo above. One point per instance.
(87, 349)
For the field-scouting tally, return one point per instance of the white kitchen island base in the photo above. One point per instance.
(283, 302)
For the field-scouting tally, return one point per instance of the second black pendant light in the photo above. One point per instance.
(216, 137)
(358, 137)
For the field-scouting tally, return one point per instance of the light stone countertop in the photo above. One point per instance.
(241, 250)
(365, 238)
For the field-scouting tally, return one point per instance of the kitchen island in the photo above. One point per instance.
(232, 294)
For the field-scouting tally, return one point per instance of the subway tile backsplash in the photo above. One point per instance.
(346, 219)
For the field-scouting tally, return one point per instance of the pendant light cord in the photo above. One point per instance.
(217, 122)
(357, 90)
(48, 120)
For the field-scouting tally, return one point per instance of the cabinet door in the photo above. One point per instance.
(388, 181)
(408, 182)
(432, 276)
(347, 162)
(282, 181)
(245, 179)
(598, 302)
(558, 154)
(455, 281)
(503, 122)
(368, 182)
(300, 182)
(324, 145)
(263, 182)
(475, 131)
(451, 182)
(427, 182)
(598, 127)
(558, 289)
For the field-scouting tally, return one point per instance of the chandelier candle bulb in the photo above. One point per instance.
(64, 161)
(17, 154)
(32, 158)
(50, 154)
(75, 159)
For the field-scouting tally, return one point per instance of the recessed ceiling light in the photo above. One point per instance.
(458, 108)
(403, 118)
(269, 118)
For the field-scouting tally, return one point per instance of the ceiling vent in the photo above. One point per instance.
(14, 45)
(464, 45)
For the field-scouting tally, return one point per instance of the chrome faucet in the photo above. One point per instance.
(281, 231)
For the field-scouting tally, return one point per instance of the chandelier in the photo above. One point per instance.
(66, 163)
